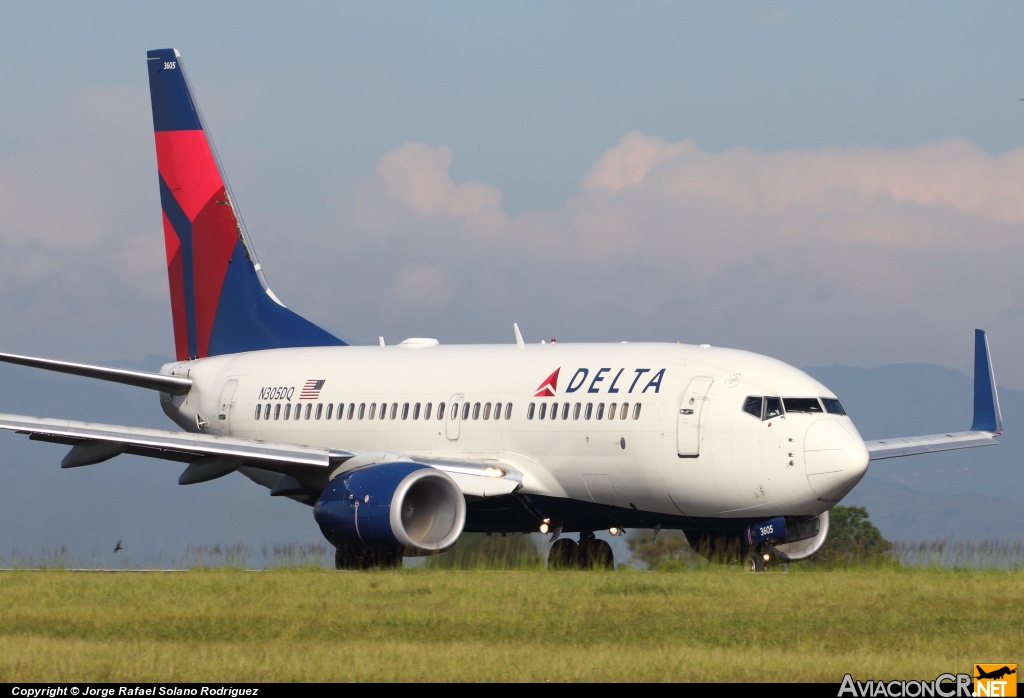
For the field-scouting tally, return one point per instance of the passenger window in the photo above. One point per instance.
(508, 410)
(565, 410)
(625, 410)
(465, 411)
(529, 410)
(497, 410)
(772, 407)
(554, 411)
(600, 410)
(277, 411)
(543, 410)
(752, 405)
(373, 410)
(636, 411)
(588, 410)
(440, 410)
(352, 410)
(362, 410)
(298, 410)
(416, 411)
(487, 410)
(330, 410)
(309, 408)
(832, 406)
(319, 409)
(611, 411)
(476, 410)
(394, 410)
(576, 411)
(426, 410)
(405, 411)
(288, 410)
(266, 411)
(259, 409)
(383, 410)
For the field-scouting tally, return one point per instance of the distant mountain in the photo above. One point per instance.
(904, 514)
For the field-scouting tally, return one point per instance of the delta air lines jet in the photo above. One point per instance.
(400, 449)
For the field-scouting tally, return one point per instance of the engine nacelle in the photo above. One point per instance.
(811, 541)
(397, 504)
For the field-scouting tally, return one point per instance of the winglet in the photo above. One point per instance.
(987, 415)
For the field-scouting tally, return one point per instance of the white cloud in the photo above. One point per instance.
(747, 247)
(420, 288)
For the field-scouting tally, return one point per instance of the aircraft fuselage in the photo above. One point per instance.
(658, 429)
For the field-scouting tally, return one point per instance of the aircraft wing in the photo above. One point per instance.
(306, 470)
(987, 424)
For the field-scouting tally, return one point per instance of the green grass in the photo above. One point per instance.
(711, 624)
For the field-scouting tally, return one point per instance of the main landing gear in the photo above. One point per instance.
(361, 557)
(589, 553)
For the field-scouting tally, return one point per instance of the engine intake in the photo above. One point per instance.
(404, 504)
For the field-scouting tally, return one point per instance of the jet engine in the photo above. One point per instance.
(812, 535)
(401, 505)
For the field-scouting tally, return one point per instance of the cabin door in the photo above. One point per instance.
(451, 423)
(691, 418)
(227, 397)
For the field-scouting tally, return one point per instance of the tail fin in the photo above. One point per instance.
(220, 302)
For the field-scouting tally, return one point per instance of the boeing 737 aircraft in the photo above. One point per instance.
(400, 449)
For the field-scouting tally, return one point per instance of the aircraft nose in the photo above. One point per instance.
(835, 458)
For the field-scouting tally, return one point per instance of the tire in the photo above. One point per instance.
(563, 555)
(755, 563)
(600, 556)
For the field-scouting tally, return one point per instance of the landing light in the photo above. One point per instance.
(544, 527)
(491, 471)
(613, 531)
(766, 557)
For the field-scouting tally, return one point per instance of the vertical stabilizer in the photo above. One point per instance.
(220, 301)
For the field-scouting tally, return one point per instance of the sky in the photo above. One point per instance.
(822, 183)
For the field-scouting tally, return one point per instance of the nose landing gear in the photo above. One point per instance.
(762, 558)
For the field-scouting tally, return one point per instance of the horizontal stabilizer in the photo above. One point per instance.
(985, 427)
(175, 385)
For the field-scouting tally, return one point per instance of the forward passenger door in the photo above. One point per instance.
(690, 422)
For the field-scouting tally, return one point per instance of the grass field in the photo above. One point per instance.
(711, 624)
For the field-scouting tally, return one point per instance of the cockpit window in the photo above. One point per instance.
(802, 404)
(752, 405)
(832, 406)
(772, 407)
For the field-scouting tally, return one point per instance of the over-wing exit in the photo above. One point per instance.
(401, 449)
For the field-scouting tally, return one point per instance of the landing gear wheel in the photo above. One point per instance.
(755, 562)
(600, 556)
(563, 554)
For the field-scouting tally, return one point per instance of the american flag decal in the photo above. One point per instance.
(311, 390)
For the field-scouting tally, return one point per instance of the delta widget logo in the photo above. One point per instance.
(549, 386)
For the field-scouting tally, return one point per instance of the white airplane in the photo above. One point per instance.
(400, 449)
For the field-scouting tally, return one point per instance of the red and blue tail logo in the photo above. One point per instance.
(220, 302)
